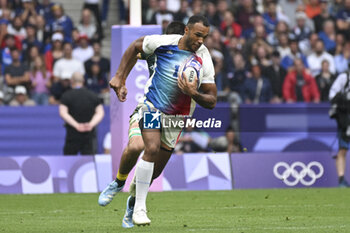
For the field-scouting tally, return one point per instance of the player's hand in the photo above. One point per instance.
(188, 88)
(119, 87)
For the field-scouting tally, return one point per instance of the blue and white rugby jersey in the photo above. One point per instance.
(162, 89)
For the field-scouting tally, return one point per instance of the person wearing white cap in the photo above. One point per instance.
(56, 52)
(21, 98)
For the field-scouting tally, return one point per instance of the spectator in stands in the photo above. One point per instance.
(93, 6)
(6, 58)
(147, 16)
(82, 112)
(41, 82)
(276, 74)
(30, 57)
(256, 89)
(302, 32)
(184, 12)
(262, 57)
(192, 141)
(328, 36)
(246, 11)
(289, 8)
(342, 58)
(335, 7)
(61, 22)
(97, 58)
(221, 7)
(56, 52)
(220, 75)
(45, 10)
(227, 143)
(84, 51)
(17, 29)
(323, 16)
(233, 144)
(85, 26)
(21, 98)
(299, 85)
(96, 81)
(66, 66)
(283, 45)
(17, 74)
(324, 81)
(228, 26)
(259, 39)
(3, 28)
(62, 72)
(343, 19)
(315, 59)
(270, 17)
(281, 28)
(58, 88)
(236, 78)
(42, 32)
(162, 15)
(30, 10)
(312, 8)
(30, 41)
(310, 44)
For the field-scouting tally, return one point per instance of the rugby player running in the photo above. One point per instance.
(168, 95)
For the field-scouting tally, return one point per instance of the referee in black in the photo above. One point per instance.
(82, 111)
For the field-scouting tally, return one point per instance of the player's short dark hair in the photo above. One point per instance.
(175, 27)
(198, 19)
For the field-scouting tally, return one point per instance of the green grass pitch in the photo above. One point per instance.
(280, 210)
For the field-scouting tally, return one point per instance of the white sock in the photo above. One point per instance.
(143, 176)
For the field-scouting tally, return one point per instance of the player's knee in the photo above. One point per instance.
(152, 150)
(136, 148)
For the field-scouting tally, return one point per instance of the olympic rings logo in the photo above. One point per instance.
(298, 171)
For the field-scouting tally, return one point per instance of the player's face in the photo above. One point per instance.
(195, 36)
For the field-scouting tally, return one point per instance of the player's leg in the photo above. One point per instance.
(130, 154)
(127, 162)
(340, 160)
(144, 173)
(159, 156)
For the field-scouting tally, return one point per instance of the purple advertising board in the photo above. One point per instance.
(284, 170)
(54, 174)
(287, 127)
(195, 171)
(122, 37)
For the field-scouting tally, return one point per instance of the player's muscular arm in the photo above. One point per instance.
(128, 61)
(206, 97)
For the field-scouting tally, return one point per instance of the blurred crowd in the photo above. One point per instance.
(264, 51)
(40, 49)
(269, 51)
